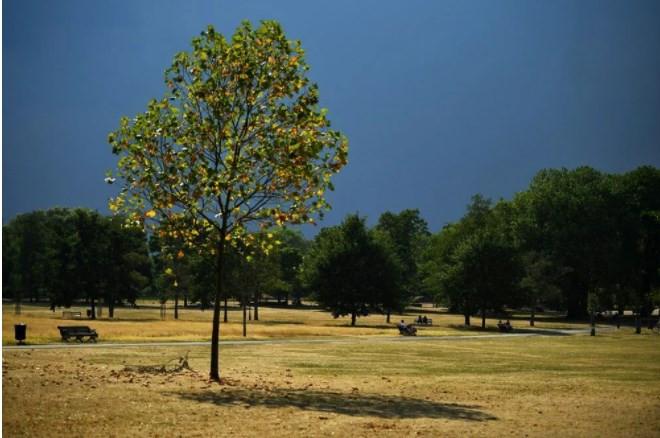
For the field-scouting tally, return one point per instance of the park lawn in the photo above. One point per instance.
(532, 386)
(145, 325)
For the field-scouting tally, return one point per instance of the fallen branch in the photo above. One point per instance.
(161, 369)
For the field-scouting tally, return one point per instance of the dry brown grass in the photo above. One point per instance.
(144, 324)
(543, 386)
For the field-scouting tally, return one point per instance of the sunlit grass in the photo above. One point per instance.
(144, 324)
(540, 386)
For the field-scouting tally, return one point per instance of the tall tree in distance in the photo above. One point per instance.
(238, 140)
(408, 234)
(471, 265)
(350, 272)
(566, 215)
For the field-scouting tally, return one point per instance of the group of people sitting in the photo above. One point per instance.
(422, 320)
(506, 327)
(407, 329)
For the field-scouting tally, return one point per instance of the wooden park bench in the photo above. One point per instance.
(71, 315)
(506, 328)
(77, 331)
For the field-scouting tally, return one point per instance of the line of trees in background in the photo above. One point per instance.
(64, 255)
(571, 235)
(572, 239)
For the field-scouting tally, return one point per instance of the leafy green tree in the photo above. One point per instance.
(64, 255)
(238, 140)
(539, 282)
(408, 234)
(639, 233)
(436, 260)
(564, 214)
(128, 268)
(289, 253)
(249, 272)
(30, 241)
(173, 261)
(60, 251)
(89, 256)
(472, 265)
(350, 272)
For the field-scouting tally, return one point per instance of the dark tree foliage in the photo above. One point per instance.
(408, 234)
(64, 255)
(600, 230)
(350, 272)
(472, 265)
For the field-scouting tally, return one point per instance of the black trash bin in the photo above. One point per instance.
(20, 332)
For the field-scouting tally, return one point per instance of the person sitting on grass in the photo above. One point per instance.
(425, 320)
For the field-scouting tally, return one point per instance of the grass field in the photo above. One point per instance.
(145, 325)
(535, 386)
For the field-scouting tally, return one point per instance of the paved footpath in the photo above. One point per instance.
(297, 341)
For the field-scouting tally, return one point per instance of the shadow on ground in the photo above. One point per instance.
(353, 404)
(516, 330)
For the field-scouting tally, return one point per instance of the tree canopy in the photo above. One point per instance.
(238, 139)
(351, 273)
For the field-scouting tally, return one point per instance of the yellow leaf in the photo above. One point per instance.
(151, 213)
(228, 236)
(176, 283)
(180, 254)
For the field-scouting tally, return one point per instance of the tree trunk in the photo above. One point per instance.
(353, 316)
(111, 310)
(467, 319)
(93, 309)
(638, 323)
(244, 320)
(483, 318)
(593, 323)
(388, 316)
(618, 320)
(176, 306)
(185, 300)
(226, 308)
(531, 319)
(215, 334)
(256, 308)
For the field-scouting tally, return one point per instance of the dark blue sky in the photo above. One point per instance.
(439, 99)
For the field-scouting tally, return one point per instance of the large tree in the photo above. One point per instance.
(351, 273)
(237, 140)
(408, 234)
(471, 265)
(570, 217)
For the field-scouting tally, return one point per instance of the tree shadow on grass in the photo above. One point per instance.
(516, 330)
(354, 404)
